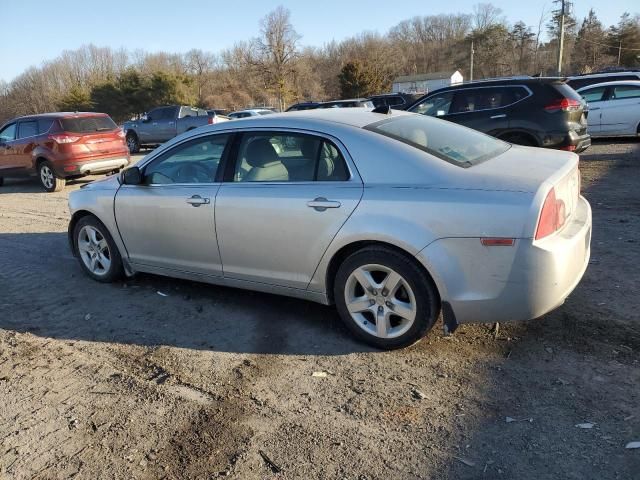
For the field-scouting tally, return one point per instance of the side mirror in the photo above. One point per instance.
(146, 119)
(132, 176)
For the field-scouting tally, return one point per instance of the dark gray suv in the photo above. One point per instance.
(538, 112)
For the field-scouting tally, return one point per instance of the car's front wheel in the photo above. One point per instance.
(48, 178)
(385, 298)
(97, 252)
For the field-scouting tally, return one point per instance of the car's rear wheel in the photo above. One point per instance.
(48, 178)
(133, 143)
(97, 252)
(519, 139)
(385, 298)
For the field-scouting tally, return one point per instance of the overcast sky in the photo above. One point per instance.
(36, 30)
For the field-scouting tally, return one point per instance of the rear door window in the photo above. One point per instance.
(88, 124)
(27, 128)
(625, 91)
(288, 157)
(471, 100)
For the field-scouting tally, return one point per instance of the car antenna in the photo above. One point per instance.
(384, 109)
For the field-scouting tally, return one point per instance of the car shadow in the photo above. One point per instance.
(46, 293)
(32, 185)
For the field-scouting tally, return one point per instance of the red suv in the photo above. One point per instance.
(57, 146)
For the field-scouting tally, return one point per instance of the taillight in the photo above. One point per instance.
(211, 120)
(64, 138)
(552, 216)
(564, 104)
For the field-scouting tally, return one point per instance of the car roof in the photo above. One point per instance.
(605, 74)
(61, 115)
(355, 117)
(347, 100)
(635, 83)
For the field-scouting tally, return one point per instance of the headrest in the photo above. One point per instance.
(260, 152)
(309, 148)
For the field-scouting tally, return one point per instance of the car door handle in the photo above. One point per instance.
(320, 204)
(502, 115)
(197, 200)
(591, 109)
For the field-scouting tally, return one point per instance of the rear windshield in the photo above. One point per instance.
(450, 142)
(567, 92)
(87, 124)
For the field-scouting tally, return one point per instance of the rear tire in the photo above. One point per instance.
(384, 298)
(97, 253)
(133, 143)
(519, 139)
(48, 178)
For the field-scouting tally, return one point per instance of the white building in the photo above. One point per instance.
(426, 82)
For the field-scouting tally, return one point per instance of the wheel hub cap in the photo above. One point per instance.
(380, 301)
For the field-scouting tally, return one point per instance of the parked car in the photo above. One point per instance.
(307, 204)
(614, 108)
(578, 81)
(218, 111)
(537, 112)
(250, 112)
(349, 103)
(302, 106)
(60, 146)
(164, 123)
(397, 101)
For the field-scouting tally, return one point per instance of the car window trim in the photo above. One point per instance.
(233, 160)
(232, 129)
(167, 152)
(455, 90)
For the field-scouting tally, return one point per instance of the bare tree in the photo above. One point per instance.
(275, 52)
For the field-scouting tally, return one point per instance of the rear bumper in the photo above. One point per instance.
(101, 165)
(499, 284)
(572, 141)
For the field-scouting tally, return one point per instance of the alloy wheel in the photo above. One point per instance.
(94, 250)
(380, 301)
(46, 176)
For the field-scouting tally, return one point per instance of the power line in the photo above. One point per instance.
(608, 46)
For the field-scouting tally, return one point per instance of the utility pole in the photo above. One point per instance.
(471, 67)
(561, 40)
(619, 51)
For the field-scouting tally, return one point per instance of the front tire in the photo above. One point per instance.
(133, 143)
(96, 251)
(384, 298)
(48, 178)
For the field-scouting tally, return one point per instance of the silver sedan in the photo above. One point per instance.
(394, 218)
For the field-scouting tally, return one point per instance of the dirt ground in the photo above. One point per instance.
(117, 381)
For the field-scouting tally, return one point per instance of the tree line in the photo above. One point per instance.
(274, 69)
